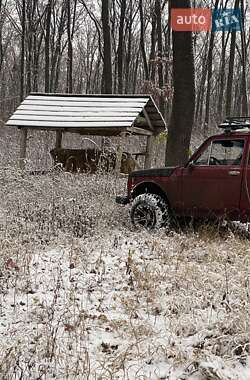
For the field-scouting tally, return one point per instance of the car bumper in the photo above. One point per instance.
(121, 200)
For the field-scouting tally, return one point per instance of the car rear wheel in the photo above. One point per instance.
(149, 211)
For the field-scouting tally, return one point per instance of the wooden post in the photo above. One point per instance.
(58, 139)
(149, 152)
(150, 143)
(23, 146)
(119, 152)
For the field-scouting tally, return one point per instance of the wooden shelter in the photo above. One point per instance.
(95, 115)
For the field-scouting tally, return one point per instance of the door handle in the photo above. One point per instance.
(234, 172)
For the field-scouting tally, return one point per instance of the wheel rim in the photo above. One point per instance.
(144, 216)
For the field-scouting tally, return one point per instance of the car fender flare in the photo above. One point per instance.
(151, 184)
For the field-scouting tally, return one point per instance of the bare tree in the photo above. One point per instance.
(70, 33)
(107, 60)
(231, 68)
(124, 46)
(120, 51)
(22, 60)
(158, 12)
(244, 100)
(210, 71)
(182, 118)
(142, 42)
(47, 45)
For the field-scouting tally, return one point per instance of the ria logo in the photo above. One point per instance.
(204, 19)
(227, 20)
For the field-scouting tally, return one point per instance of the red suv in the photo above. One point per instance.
(215, 182)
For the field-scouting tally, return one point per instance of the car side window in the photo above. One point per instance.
(222, 152)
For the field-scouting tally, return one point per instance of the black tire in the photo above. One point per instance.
(149, 211)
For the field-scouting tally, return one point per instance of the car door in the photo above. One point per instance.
(245, 197)
(211, 185)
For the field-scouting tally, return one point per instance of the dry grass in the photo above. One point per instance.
(84, 296)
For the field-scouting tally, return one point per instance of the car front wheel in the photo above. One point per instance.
(149, 211)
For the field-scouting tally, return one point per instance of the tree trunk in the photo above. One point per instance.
(121, 47)
(201, 87)
(107, 60)
(70, 51)
(30, 40)
(37, 48)
(22, 63)
(47, 46)
(152, 63)
(231, 69)
(168, 74)
(244, 105)
(1, 37)
(160, 48)
(135, 74)
(129, 48)
(222, 77)
(57, 50)
(142, 42)
(209, 74)
(182, 117)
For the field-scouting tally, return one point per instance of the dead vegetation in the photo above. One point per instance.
(84, 296)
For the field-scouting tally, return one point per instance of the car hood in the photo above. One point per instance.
(162, 172)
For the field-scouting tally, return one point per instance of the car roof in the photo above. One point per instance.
(235, 133)
(236, 126)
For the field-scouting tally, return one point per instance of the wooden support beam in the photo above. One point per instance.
(148, 119)
(139, 131)
(150, 143)
(119, 152)
(58, 139)
(149, 152)
(23, 147)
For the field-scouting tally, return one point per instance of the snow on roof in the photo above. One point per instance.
(89, 114)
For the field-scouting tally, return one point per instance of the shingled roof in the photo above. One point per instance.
(89, 114)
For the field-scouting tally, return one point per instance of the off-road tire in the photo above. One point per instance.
(150, 211)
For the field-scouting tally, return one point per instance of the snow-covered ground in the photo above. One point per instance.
(84, 296)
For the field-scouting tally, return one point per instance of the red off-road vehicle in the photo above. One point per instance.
(215, 182)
